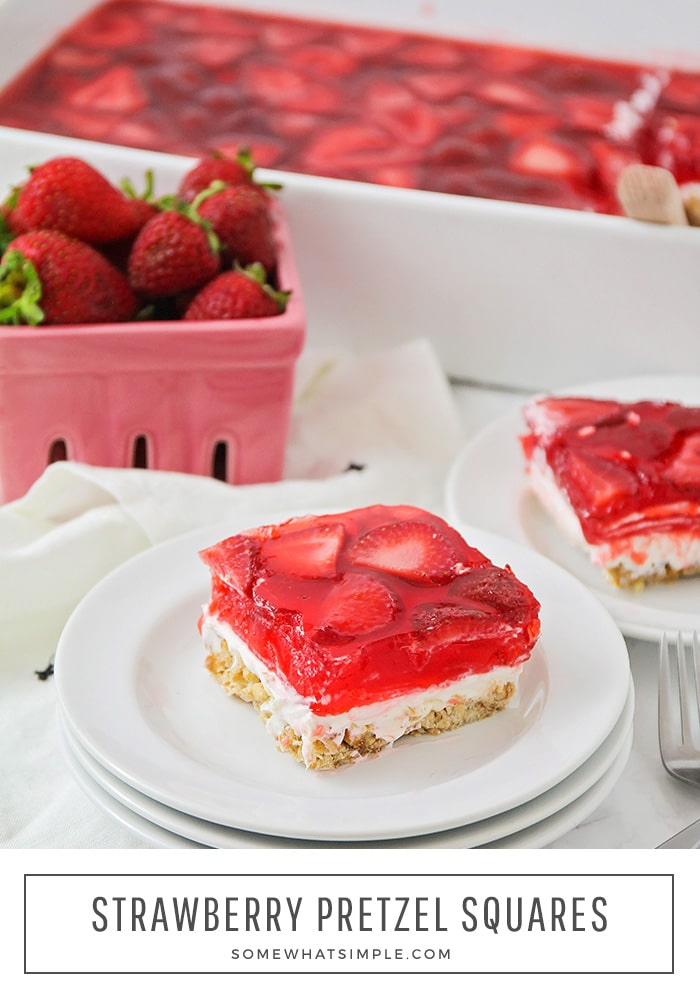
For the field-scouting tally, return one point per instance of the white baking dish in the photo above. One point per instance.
(514, 294)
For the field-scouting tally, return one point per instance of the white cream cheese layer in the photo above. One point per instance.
(388, 719)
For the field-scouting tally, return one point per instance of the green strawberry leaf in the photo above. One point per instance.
(6, 234)
(20, 291)
(129, 189)
(258, 274)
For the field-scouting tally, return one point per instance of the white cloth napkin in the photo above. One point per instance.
(374, 428)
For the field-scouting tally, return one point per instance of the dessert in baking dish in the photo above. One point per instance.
(348, 631)
(363, 103)
(621, 481)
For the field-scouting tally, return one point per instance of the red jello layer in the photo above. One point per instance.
(340, 100)
(370, 604)
(625, 468)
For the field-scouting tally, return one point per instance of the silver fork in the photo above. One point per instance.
(679, 720)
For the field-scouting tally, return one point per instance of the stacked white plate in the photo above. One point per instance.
(153, 739)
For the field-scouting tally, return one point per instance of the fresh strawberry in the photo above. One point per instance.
(217, 167)
(49, 278)
(415, 550)
(68, 194)
(358, 604)
(173, 253)
(232, 560)
(144, 207)
(240, 217)
(306, 553)
(241, 293)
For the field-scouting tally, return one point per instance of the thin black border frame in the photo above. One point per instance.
(358, 972)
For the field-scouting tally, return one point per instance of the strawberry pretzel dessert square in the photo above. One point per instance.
(349, 631)
(621, 481)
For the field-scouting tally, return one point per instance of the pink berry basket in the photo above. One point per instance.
(209, 398)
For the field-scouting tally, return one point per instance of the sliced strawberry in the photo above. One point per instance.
(281, 87)
(441, 623)
(283, 34)
(393, 107)
(594, 483)
(117, 89)
(519, 123)
(494, 589)
(347, 146)
(503, 60)
(588, 111)
(367, 44)
(289, 593)
(323, 60)
(684, 470)
(440, 85)
(75, 58)
(357, 605)
(646, 439)
(306, 553)
(233, 560)
(394, 175)
(215, 51)
(682, 91)
(414, 550)
(109, 29)
(512, 94)
(432, 54)
(559, 413)
(549, 158)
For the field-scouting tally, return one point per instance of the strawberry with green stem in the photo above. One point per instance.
(67, 194)
(216, 166)
(176, 251)
(240, 217)
(48, 278)
(241, 293)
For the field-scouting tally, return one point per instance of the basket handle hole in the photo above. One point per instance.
(139, 452)
(58, 452)
(219, 461)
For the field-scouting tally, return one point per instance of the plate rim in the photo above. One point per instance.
(175, 822)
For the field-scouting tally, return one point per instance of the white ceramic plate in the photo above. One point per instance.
(131, 683)
(474, 835)
(487, 487)
(130, 808)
